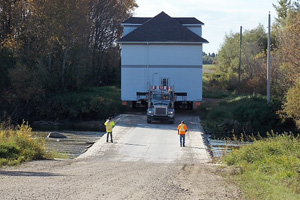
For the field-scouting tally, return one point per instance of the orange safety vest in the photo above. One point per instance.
(109, 126)
(182, 129)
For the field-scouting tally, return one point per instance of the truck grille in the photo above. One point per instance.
(160, 111)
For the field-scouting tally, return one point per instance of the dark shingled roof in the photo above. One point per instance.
(188, 20)
(136, 20)
(162, 28)
(182, 20)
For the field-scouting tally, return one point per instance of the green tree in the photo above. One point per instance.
(228, 55)
(282, 10)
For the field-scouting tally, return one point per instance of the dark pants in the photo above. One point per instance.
(182, 140)
(111, 138)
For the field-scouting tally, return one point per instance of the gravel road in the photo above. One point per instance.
(119, 171)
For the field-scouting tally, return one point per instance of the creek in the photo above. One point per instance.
(222, 147)
(77, 141)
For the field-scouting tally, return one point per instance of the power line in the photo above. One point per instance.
(252, 43)
(249, 32)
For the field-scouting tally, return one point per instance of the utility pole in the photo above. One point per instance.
(268, 62)
(240, 56)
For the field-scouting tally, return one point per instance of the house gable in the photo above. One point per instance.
(162, 28)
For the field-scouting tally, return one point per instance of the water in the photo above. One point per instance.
(75, 144)
(221, 147)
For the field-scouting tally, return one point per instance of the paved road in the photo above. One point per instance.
(135, 140)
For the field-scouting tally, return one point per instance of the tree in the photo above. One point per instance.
(282, 10)
(50, 46)
(228, 54)
(292, 105)
(289, 50)
(106, 17)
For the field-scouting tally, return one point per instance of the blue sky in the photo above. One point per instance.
(219, 16)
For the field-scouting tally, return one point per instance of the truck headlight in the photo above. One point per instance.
(170, 113)
(150, 112)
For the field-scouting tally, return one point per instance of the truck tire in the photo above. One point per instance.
(134, 104)
(148, 121)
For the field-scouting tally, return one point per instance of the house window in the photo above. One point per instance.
(164, 82)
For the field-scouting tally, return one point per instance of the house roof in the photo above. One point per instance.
(162, 28)
(182, 20)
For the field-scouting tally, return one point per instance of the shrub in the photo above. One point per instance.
(247, 114)
(18, 146)
(90, 103)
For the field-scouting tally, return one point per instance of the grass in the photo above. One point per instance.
(209, 69)
(17, 146)
(270, 167)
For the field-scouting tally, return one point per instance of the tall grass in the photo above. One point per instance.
(17, 145)
(270, 167)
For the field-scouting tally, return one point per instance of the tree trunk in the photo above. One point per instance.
(63, 69)
(49, 61)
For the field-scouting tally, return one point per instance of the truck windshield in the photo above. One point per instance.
(161, 97)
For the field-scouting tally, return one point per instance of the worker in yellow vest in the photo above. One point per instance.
(182, 129)
(109, 124)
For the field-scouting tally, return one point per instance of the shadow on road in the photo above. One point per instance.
(22, 173)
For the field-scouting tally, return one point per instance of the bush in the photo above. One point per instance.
(17, 146)
(89, 104)
(243, 114)
(219, 82)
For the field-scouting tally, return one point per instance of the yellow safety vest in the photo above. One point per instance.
(109, 125)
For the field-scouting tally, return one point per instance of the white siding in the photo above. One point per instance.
(146, 64)
(161, 54)
(196, 29)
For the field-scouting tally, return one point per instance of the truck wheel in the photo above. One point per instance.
(134, 104)
(171, 122)
(148, 121)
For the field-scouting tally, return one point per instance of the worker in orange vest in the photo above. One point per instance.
(182, 129)
(109, 124)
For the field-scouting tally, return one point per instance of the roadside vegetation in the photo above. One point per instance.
(91, 103)
(17, 146)
(235, 107)
(270, 167)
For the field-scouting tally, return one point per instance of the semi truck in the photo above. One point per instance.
(161, 104)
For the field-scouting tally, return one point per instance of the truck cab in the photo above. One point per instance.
(161, 104)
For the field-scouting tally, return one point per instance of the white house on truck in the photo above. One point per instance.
(162, 51)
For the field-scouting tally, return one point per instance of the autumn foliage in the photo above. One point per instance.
(49, 47)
